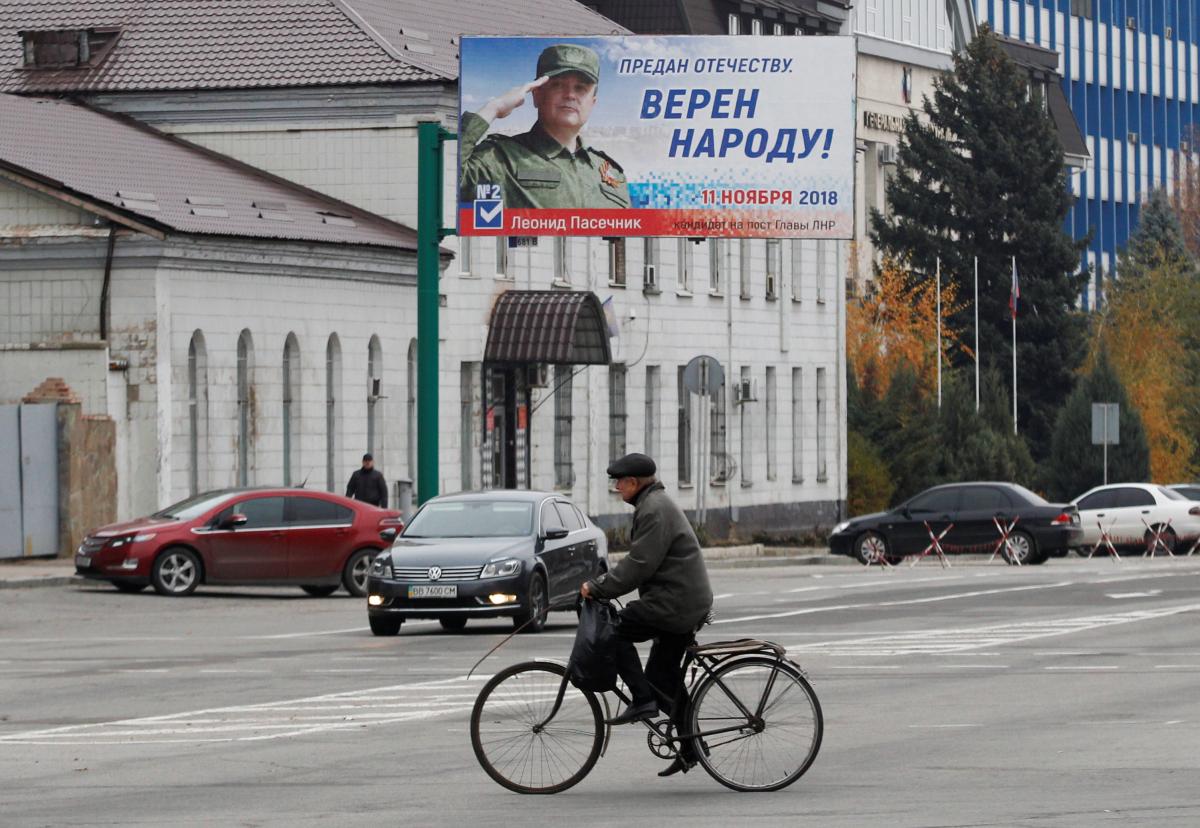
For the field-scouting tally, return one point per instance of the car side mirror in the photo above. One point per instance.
(388, 535)
(904, 510)
(556, 534)
(232, 522)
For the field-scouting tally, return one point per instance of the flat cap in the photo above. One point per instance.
(632, 465)
(567, 57)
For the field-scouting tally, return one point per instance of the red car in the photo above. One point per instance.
(314, 540)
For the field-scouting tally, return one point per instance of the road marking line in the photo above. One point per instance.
(300, 634)
(1084, 667)
(1150, 593)
(974, 666)
(864, 667)
(1177, 666)
(944, 725)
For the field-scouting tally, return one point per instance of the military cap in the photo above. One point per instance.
(632, 465)
(567, 57)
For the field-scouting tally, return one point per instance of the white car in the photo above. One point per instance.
(1131, 512)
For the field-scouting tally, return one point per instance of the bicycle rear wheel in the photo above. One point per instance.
(767, 752)
(510, 746)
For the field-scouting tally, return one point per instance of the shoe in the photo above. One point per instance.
(678, 765)
(635, 713)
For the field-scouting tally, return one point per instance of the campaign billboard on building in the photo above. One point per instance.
(657, 136)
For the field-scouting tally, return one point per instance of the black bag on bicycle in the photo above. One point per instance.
(593, 664)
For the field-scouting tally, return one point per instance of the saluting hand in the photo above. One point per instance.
(502, 105)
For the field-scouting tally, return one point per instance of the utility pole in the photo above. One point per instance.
(430, 138)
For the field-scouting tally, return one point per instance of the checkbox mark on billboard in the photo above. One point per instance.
(489, 214)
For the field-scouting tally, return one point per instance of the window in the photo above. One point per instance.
(616, 262)
(939, 500)
(617, 412)
(465, 254)
(778, 29)
(984, 499)
(312, 511)
(245, 368)
(197, 370)
(771, 411)
(797, 425)
(333, 412)
(1098, 500)
(718, 437)
(410, 412)
(551, 518)
(650, 265)
(1130, 498)
(735, 24)
(260, 512)
(822, 415)
(683, 430)
(684, 265)
(502, 257)
(652, 381)
(564, 472)
(756, 26)
(1081, 8)
(804, 265)
(291, 408)
(746, 436)
(774, 267)
(569, 517)
(716, 254)
(67, 47)
(562, 264)
(469, 401)
(472, 519)
(375, 417)
(744, 265)
(826, 266)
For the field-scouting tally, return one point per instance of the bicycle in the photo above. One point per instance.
(534, 732)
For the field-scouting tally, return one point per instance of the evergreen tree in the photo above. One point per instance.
(982, 175)
(980, 445)
(1157, 242)
(1075, 465)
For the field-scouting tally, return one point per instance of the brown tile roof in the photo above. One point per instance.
(169, 184)
(230, 44)
(202, 44)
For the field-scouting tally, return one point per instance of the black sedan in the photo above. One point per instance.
(485, 555)
(1042, 529)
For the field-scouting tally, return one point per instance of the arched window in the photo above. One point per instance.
(197, 375)
(291, 409)
(411, 424)
(333, 402)
(245, 413)
(374, 396)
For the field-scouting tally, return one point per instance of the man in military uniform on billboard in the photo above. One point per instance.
(549, 166)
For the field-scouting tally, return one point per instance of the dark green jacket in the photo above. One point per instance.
(664, 564)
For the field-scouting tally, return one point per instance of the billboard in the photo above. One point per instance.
(657, 136)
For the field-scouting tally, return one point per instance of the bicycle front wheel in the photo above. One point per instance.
(771, 722)
(511, 742)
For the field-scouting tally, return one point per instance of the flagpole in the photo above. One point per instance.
(1013, 301)
(977, 334)
(939, 331)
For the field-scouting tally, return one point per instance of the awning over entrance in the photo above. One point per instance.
(557, 327)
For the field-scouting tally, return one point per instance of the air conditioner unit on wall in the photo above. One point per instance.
(649, 278)
(746, 391)
(887, 154)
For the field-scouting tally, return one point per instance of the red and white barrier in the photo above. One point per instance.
(935, 545)
(1002, 544)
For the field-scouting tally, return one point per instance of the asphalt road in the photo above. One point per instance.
(1066, 694)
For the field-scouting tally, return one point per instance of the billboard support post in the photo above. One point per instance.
(430, 138)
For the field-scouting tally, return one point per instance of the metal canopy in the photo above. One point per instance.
(556, 327)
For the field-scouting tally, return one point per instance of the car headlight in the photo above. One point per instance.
(841, 527)
(144, 537)
(498, 569)
(381, 566)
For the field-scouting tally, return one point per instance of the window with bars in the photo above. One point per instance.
(618, 414)
(562, 260)
(771, 410)
(374, 395)
(744, 250)
(651, 403)
(291, 390)
(797, 425)
(746, 432)
(245, 365)
(684, 265)
(716, 265)
(821, 415)
(774, 268)
(826, 267)
(502, 257)
(197, 410)
(718, 437)
(616, 262)
(333, 400)
(564, 469)
(683, 429)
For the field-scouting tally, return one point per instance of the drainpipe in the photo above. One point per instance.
(108, 260)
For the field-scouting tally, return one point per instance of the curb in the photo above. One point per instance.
(45, 581)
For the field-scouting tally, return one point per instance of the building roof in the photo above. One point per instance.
(711, 17)
(557, 327)
(232, 44)
(151, 180)
(1042, 64)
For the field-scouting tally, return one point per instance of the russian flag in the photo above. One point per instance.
(1015, 294)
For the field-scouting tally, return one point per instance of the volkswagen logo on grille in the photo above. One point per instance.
(435, 573)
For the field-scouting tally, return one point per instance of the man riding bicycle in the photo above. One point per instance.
(665, 565)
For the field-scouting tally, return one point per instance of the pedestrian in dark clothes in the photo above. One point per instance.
(367, 484)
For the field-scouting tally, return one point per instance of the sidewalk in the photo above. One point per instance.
(37, 572)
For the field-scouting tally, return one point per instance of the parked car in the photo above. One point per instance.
(315, 540)
(1189, 490)
(1131, 512)
(1042, 529)
(485, 555)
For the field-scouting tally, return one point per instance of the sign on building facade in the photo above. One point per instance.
(657, 136)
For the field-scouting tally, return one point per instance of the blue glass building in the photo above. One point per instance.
(1130, 73)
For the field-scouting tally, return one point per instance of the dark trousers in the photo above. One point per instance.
(662, 679)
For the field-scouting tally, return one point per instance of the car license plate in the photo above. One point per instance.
(438, 591)
(83, 560)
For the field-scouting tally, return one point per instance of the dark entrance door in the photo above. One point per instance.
(506, 426)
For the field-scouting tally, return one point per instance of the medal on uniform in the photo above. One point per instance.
(606, 174)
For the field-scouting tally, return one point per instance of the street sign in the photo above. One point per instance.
(703, 375)
(1106, 418)
(689, 136)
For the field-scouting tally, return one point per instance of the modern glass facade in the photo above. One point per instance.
(1130, 72)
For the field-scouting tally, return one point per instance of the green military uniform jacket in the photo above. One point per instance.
(535, 171)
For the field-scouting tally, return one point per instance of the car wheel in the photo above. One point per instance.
(871, 547)
(385, 626)
(354, 574)
(1022, 549)
(536, 607)
(1169, 540)
(176, 572)
(453, 623)
(320, 591)
(129, 586)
